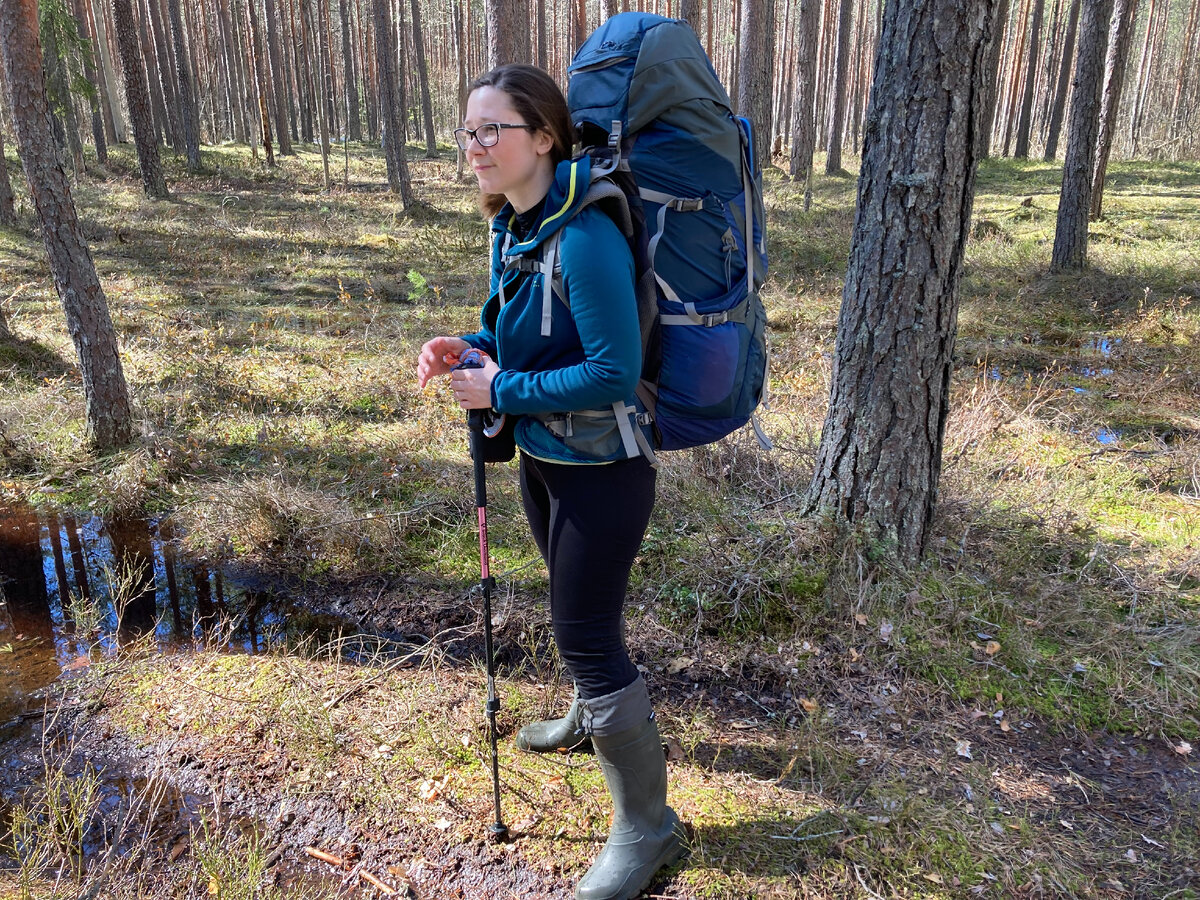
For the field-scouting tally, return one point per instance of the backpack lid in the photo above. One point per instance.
(671, 68)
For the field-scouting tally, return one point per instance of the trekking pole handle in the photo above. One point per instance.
(485, 420)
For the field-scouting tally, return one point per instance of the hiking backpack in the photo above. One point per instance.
(658, 125)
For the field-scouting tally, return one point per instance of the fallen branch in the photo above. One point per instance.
(372, 880)
(325, 857)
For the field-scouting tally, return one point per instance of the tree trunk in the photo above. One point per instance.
(279, 84)
(756, 36)
(837, 119)
(1143, 81)
(1058, 110)
(1074, 201)
(259, 68)
(423, 82)
(1188, 63)
(353, 122)
(804, 122)
(390, 104)
(507, 38)
(109, 415)
(879, 459)
(96, 100)
(114, 126)
(689, 11)
(304, 76)
(1115, 64)
(1025, 118)
(8, 211)
(991, 82)
(460, 64)
(187, 97)
(58, 82)
(137, 99)
(311, 41)
(161, 71)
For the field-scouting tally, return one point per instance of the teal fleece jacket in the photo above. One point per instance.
(592, 357)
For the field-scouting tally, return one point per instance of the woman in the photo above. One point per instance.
(565, 359)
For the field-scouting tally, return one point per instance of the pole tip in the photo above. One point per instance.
(499, 832)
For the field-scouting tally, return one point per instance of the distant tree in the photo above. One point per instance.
(93, 80)
(1059, 105)
(391, 102)
(991, 82)
(423, 82)
(61, 45)
(804, 123)
(159, 69)
(880, 454)
(109, 414)
(1115, 63)
(756, 64)
(1074, 199)
(261, 80)
(137, 99)
(279, 85)
(187, 97)
(838, 89)
(1025, 117)
(353, 122)
(313, 41)
(8, 211)
(689, 11)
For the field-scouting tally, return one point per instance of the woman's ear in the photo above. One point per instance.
(543, 143)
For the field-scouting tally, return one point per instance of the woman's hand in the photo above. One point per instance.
(473, 387)
(438, 356)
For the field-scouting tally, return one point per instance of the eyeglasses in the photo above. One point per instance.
(485, 135)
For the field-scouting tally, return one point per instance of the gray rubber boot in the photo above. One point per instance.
(646, 834)
(563, 735)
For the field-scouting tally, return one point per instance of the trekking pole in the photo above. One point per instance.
(479, 422)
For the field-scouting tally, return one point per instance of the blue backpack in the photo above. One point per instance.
(658, 125)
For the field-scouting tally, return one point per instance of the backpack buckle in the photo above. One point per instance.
(709, 320)
(644, 418)
(687, 204)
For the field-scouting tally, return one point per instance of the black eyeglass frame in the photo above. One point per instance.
(472, 134)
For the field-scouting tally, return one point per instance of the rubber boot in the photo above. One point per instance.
(646, 834)
(563, 735)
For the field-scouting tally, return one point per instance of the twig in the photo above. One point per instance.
(372, 880)
(316, 853)
(858, 875)
(806, 837)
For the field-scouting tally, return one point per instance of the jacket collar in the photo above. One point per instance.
(571, 180)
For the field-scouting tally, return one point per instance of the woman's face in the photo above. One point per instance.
(518, 164)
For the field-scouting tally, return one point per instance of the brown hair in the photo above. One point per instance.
(537, 100)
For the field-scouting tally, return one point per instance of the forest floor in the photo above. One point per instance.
(1014, 717)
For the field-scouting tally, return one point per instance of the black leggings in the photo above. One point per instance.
(588, 522)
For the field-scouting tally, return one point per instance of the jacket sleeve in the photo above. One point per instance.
(598, 279)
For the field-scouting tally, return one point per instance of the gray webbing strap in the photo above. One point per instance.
(632, 438)
(679, 204)
(708, 320)
(547, 265)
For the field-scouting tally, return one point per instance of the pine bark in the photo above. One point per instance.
(279, 85)
(109, 414)
(96, 100)
(1058, 110)
(137, 100)
(689, 11)
(1115, 64)
(390, 104)
(161, 70)
(837, 118)
(187, 96)
(258, 65)
(757, 39)
(804, 122)
(8, 210)
(880, 454)
(507, 39)
(114, 125)
(1071, 229)
(991, 84)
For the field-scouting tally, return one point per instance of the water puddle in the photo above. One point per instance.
(1101, 344)
(1108, 436)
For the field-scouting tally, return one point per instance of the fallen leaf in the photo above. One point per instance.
(992, 648)
(1183, 748)
(466, 740)
(674, 749)
(677, 665)
(214, 888)
(934, 877)
(885, 632)
(1004, 726)
(1131, 855)
(431, 790)
(6, 648)
(855, 656)
(963, 749)
(178, 850)
(809, 706)
(443, 824)
(860, 618)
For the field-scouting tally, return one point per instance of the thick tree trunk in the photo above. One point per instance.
(837, 119)
(1115, 64)
(1025, 118)
(804, 122)
(689, 11)
(879, 459)
(390, 105)
(353, 120)
(279, 85)
(187, 97)
(757, 62)
(1074, 199)
(109, 415)
(1058, 110)
(507, 34)
(137, 99)
(423, 82)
